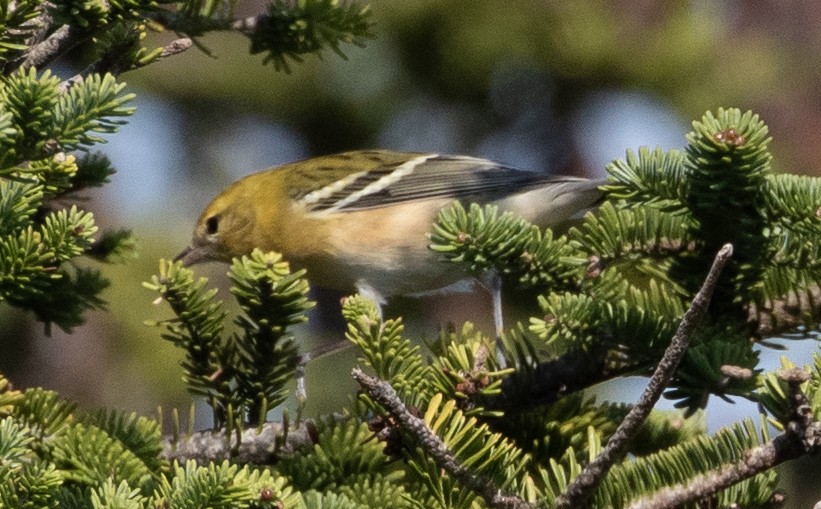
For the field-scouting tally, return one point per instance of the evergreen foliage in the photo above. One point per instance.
(49, 125)
(612, 291)
(39, 243)
(295, 29)
(244, 373)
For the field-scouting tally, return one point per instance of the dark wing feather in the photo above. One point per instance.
(456, 177)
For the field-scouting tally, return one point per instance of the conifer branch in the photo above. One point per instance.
(802, 436)
(116, 68)
(285, 31)
(787, 313)
(584, 485)
(548, 381)
(258, 446)
(382, 392)
(41, 25)
(62, 40)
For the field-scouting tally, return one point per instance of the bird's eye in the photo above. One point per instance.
(212, 225)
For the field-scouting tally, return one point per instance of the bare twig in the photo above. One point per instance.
(34, 31)
(41, 25)
(192, 25)
(59, 42)
(548, 381)
(802, 436)
(385, 395)
(175, 47)
(756, 460)
(259, 446)
(585, 484)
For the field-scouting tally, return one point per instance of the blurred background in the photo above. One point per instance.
(556, 86)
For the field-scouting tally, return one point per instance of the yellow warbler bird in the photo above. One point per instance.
(358, 220)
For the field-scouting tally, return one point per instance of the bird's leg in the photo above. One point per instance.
(367, 291)
(492, 282)
(316, 353)
(301, 392)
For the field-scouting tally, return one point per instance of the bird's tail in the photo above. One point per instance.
(559, 200)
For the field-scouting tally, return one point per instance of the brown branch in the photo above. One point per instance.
(66, 37)
(40, 26)
(577, 370)
(194, 25)
(385, 395)
(582, 488)
(58, 43)
(802, 436)
(548, 381)
(787, 313)
(34, 31)
(260, 447)
(175, 47)
(756, 460)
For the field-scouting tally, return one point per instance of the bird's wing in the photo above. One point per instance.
(420, 177)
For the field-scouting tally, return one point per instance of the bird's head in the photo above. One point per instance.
(223, 230)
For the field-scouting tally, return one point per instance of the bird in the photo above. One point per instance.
(357, 221)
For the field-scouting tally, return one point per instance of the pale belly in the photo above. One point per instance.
(390, 253)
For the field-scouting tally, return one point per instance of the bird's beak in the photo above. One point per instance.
(193, 255)
(185, 252)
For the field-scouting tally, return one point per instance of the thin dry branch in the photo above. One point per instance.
(175, 47)
(802, 436)
(583, 487)
(263, 446)
(385, 395)
(56, 44)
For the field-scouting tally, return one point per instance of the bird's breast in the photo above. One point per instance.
(385, 247)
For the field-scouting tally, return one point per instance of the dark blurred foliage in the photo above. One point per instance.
(520, 81)
(487, 63)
